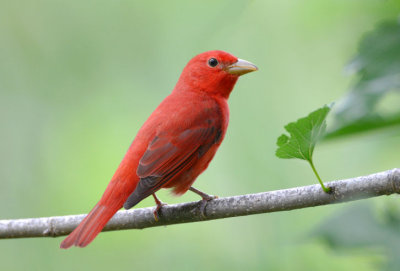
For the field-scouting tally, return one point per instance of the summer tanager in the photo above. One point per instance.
(174, 145)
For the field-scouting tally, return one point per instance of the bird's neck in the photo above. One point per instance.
(214, 86)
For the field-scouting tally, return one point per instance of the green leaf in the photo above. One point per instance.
(377, 67)
(304, 135)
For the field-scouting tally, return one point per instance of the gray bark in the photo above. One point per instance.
(383, 183)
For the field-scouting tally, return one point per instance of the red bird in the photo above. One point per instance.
(174, 145)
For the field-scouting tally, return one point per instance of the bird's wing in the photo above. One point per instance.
(169, 155)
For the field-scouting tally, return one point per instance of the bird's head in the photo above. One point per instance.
(214, 72)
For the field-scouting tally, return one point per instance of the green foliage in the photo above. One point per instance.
(377, 66)
(360, 226)
(304, 135)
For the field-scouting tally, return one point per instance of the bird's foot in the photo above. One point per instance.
(203, 204)
(205, 199)
(157, 211)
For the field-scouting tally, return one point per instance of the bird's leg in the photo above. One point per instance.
(160, 204)
(205, 198)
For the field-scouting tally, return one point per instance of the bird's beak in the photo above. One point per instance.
(241, 67)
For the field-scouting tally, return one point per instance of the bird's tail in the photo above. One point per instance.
(112, 200)
(91, 226)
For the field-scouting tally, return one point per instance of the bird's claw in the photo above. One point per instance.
(203, 204)
(157, 211)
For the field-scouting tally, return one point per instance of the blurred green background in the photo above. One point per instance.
(78, 79)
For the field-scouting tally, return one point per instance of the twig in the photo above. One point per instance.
(383, 183)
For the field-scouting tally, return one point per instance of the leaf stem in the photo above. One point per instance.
(326, 189)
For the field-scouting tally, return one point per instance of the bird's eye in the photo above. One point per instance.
(212, 62)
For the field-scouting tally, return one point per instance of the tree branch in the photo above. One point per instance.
(383, 183)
